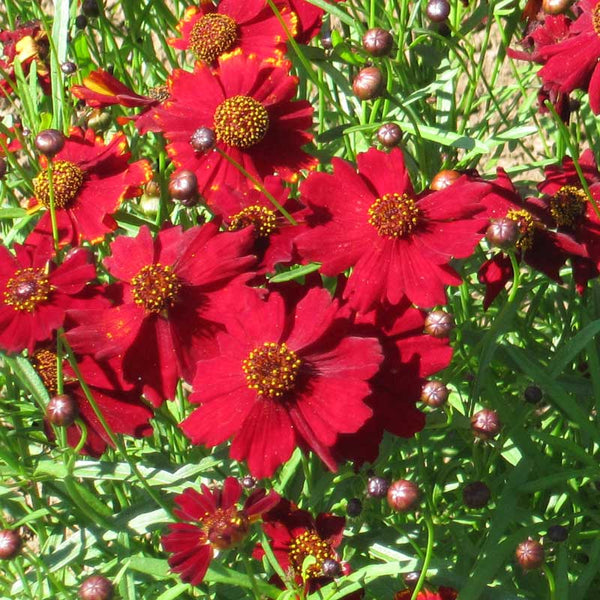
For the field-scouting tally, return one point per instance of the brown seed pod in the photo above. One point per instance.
(50, 142)
(10, 544)
(444, 179)
(378, 41)
(434, 393)
(368, 84)
(62, 410)
(476, 494)
(485, 424)
(503, 233)
(555, 7)
(439, 323)
(402, 495)
(331, 568)
(438, 10)
(389, 135)
(530, 554)
(377, 487)
(96, 587)
(183, 186)
(203, 139)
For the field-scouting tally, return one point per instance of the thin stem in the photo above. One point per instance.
(428, 556)
(52, 207)
(551, 582)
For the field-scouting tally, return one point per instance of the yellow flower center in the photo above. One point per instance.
(596, 18)
(263, 219)
(44, 363)
(309, 544)
(213, 35)
(271, 369)
(67, 178)
(241, 122)
(567, 206)
(526, 225)
(27, 289)
(160, 93)
(155, 287)
(394, 215)
(225, 527)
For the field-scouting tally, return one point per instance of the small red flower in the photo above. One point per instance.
(284, 378)
(310, 18)
(210, 31)
(170, 310)
(443, 593)
(35, 293)
(397, 242)
(90, 180)
(118, 401)
(249, 106)
(212, 522)
(273, 232)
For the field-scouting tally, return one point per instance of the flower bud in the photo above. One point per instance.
(558, 533)
(10, 543)
(96, 587)
(438, 10)
(402, 495)
(90, 8)
(183, 185)
(248, 482)
(503, 233)
(476, 494)
(410, 579)
(485, 424)
(203, 140)
(444, 179)
(68, 67)
(378, 41)
(62, 410)
(81, 22)
(377, 487)
(533, 394)
(331, 568)
(434, 393)
(354, 507)
(530, 554)
(439, 323)
(368, 83)
(555, 7)
(50, 142)
(389, 135)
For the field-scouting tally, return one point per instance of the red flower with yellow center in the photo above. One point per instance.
(285, 377)
(212, 522)
(210, 31)
(397, 242)
(90, 180)
(249, 106)
(170, 310)
(35, 293)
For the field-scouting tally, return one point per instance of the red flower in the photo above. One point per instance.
(213, 523)
(211, 31)
(119, 402)
(296, 535)
(443, 593)
(249, 105)
(284, 378)
(273, 233)
(169, 311)
(410, 357)
(310, 18)
(398, 243)
(90, 181)
(573, 63)
(35, 293)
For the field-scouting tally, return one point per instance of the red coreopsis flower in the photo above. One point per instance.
(284, 378)
(90, 181)
(210, 31)
(212, 522)
(273, 232)
(310, 18)
(296, 535)
(410, 356)
(169, 313)
(397, 242)
(118, 401)
(573, 63)
(443, 593)
(249, 106)
(35, 293)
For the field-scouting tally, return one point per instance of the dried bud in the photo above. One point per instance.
(62, 410)
(378, 41)
(558, 533)
(402, 495)
(389, 135)
(354, 507)
(439, 323)
(503, 233)
(368, 83)
(203, 139)
(152, 188)
(555, 7)
(476, 494)
(183, 186)
(530, 554)
(10, 543)
(485, 424)
(81, 22)
(331, 568)
(68, 67)
(533, 394)
(377, 487)
(434, 393)
(248, 482)
(50, 142)
(444, 179)
(438, 10)
(90, 8)
(3, 168)
(96, 587)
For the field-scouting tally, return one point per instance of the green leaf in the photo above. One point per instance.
(295, 273)
(572, 348)
(175, 591)
(158, 568)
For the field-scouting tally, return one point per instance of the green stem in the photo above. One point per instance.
(551, 582)
(52, 207)
(251, 576)
(428, 557)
